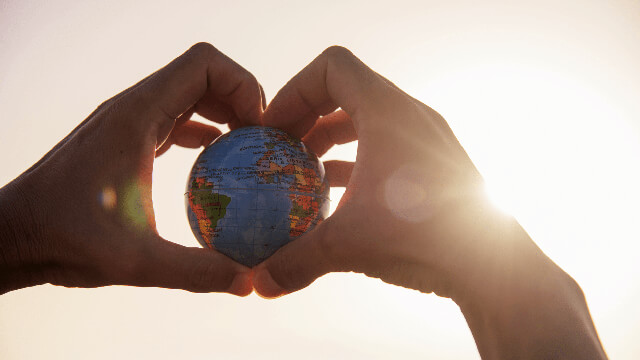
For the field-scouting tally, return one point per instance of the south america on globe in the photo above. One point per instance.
(253, 190)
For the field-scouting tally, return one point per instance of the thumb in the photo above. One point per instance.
(169, 265)
(300, 262)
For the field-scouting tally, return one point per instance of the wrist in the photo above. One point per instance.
(520, 304)
(18, 234)
(534, 321)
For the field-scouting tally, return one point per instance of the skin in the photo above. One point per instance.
(55, 228)
(413, 213)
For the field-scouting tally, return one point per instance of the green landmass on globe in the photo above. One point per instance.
(252, 191)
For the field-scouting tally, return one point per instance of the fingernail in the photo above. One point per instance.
(265, 286)
(241, 285)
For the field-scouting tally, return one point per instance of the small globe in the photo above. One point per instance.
(252, 191)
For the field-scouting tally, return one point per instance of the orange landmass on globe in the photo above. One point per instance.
(208, 206)
(304, 208)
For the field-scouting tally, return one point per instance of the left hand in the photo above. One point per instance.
(83, 215)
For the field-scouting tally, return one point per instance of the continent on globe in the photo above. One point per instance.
(252, 191)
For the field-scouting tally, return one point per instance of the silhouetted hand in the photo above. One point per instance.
(414, 214)
(83, 217)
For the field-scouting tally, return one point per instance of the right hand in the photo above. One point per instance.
(414, 212)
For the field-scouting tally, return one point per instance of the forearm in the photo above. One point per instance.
(535, 311)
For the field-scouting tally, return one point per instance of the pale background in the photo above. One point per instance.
(543, 94)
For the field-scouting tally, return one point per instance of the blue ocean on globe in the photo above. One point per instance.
(253, 190)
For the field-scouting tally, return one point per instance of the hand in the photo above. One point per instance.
(414, 214)
(83, 215)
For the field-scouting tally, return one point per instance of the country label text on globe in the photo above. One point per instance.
(252, 191)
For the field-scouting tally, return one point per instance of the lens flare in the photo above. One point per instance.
(134, 207)
(406, 195)
(108, 198)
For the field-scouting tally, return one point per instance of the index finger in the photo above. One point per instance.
(203, 74)
(336, 78)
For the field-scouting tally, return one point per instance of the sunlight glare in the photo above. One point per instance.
(551, 150)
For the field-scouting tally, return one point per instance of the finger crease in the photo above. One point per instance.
(166, 113)
(235, 88)
(312, 109)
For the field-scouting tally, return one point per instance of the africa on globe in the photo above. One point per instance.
(253, 190)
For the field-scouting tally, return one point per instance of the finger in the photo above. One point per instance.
(173, 266)
(221, 113)
(191, 134)
(194, 135)
(300, 262)
(203, 74)
(333, 129)
(164, 148)
(264, 98)
(218, 112)
(334, 79)
(338, 172)
(164, 133)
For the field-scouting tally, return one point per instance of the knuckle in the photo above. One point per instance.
(124, 112)
(337, 52)
(106, 104)
(249, 80)
(389, 104)
(113, 105)
(402, 101)
(202, 49)
(247, 90)
(253, 80)
(119, 105)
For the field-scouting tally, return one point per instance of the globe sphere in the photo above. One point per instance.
(252, 191)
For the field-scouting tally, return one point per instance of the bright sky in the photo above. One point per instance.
(543, 95)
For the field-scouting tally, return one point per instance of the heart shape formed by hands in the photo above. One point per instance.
(413, 214)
